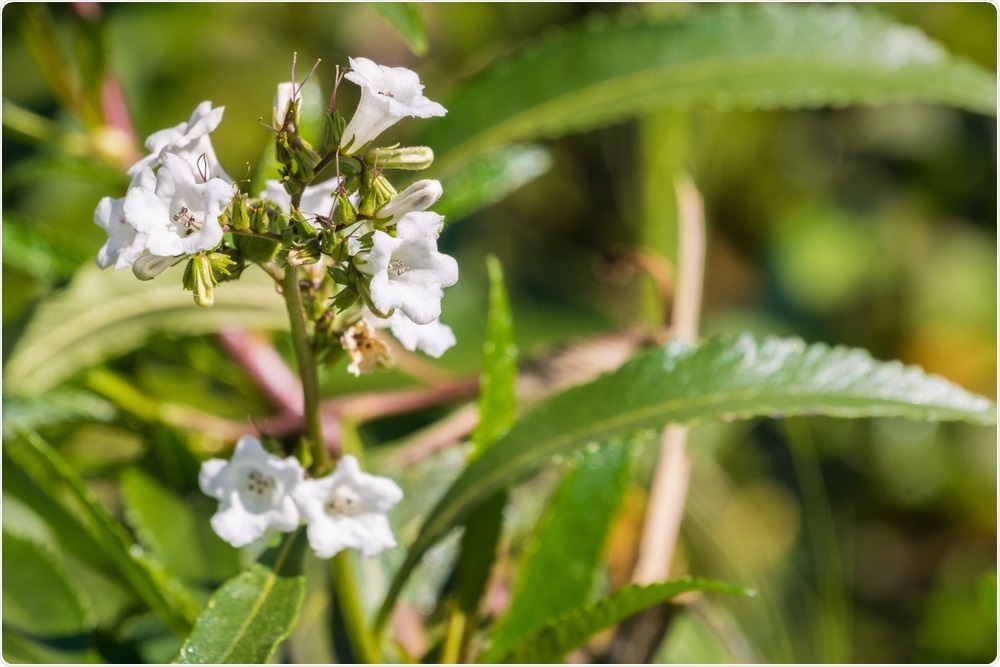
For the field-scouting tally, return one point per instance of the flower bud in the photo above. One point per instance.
(148, 266)
(198, 279)
(412, 158)
(285, 109)
(236, 214)
(418, 196)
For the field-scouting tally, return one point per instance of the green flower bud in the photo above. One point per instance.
(411, 158)
(198, 279)
(237, 216)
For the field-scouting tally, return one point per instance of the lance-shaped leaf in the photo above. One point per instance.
(104, 314)
(497, 406)
(569, 630)
(757, 56)
(558, 569)
(166, 597)
(725, 379)
(406, 19)
(246, 619)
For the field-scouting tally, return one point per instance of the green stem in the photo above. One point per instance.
(307, 371)
(345, 578)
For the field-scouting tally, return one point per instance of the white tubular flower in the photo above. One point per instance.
(124, 244)
(419, 196)
(347, 510)
(407, 270)
(387, 95)
(317, 200)
(254, 490)
(179, 216)
(189, 141)
(434, 338)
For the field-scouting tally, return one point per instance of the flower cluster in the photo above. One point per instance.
(258, 491)
(368, 251)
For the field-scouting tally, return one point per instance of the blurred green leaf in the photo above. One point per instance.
(104, 314)
(405, 18)
(63, 404)
(252, 613)
(37, 595)
(565, 552)
(165, 524)
(761, 56)
(729, 378)
(490, 177)
(46, 469)
(18, 649)
(573, 628)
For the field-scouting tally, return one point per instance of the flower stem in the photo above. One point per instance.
(345, 576)
(307, 371)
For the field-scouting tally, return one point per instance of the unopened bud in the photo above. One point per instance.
(410, 157)
(198, 279)
(148, 267)
(417, 197)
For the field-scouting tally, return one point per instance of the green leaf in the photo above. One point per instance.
(497, 406)
(62, 404)
(758, 56)
(497, 397)
(573, 628)
(37, 595)
(405, 18)
(172, 531)
(490, 177)
(252, 613)
(47, 470)
(566, 550)
(725, 379)
(104, 314)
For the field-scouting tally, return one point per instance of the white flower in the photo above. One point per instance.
(433, 338)
(407, 270)
(387, 94)
(254, 490)
(347, 509)
(123, 246)
(180, 216)
(189, 141)
(419, 196)
(317, 200)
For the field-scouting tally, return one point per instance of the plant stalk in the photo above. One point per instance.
(307, 371)
(344, 575)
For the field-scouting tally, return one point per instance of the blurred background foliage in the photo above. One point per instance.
(869, 540)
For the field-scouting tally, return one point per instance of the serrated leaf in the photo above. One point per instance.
(38, 597)
(756, 56)
(405, 18)
(104, 314)
(252, 613)
(489, 178)
(60, 405)
(573, 628)
(166, 597)
(566, 550)
(497, 397)
(725, 379)
(497, 406)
